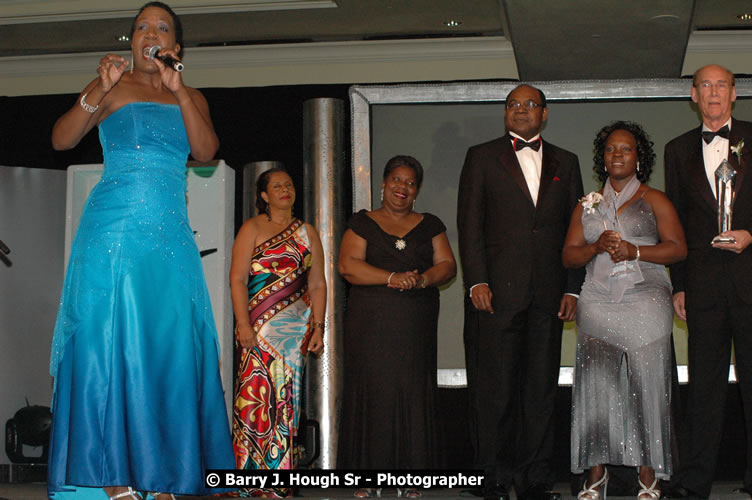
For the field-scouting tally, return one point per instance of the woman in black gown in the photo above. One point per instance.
(395, 258)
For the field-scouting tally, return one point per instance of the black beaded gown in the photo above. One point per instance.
(388, 408)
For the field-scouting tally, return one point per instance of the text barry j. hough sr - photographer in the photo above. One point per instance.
(342, 479)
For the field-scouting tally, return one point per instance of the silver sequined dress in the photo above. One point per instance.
(622, 384)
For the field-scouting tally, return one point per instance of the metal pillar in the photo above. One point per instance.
(324, 168)
(251, 173)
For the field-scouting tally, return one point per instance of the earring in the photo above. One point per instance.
(638, 166)
(414, 204)
(382, 195)
(268, 212)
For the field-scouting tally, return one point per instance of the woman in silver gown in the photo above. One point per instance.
(624, 235)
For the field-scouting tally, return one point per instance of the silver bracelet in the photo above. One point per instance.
(389, 279)
(87, 107)
(638, 253)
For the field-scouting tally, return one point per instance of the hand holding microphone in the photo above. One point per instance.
(152, 53)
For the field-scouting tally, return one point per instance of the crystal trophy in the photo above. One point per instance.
(724, 188)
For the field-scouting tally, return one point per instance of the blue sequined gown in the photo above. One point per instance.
(138, 399)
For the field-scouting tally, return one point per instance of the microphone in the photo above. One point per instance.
(170, 61)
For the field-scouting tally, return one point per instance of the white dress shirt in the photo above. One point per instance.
(713, 154)
(530, 163)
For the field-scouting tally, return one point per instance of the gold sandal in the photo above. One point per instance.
(368, 493)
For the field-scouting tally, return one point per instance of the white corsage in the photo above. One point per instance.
(737, 150)
(591, 201)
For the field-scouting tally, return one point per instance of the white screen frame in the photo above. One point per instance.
(363, 97)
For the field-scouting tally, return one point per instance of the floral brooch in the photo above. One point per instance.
(591, 201)
(737, 150)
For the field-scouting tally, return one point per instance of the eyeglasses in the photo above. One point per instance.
(709, 85)
(531, 105)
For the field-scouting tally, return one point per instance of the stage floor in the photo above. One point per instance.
(38, 491)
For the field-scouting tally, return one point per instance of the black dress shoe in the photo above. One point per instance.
(495, 492)
(691, 495)
(743, 491)
(539, 492)
(673, 491)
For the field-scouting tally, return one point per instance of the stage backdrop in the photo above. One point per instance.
(32, 202)
(211, 211)
(436, 123)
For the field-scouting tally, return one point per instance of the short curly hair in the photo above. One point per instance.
(405, 161)
(645, 153)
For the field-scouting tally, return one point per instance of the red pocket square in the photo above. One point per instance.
(556, 179)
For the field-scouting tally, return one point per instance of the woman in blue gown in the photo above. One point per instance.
(138, 403)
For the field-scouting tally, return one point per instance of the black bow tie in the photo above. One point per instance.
(708, 136)
(519, 144)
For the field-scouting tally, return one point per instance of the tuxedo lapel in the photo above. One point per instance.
(735, 137)
(696, 170)
(548, 169)
(508, 161)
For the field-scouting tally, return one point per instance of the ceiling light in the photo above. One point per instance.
(124, 38)
(745, 17)
(452, 23)
(665, 19)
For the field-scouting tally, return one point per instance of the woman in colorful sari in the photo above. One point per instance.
(279, 299)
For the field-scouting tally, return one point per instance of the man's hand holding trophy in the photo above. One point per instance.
(724, 189)
(727, 239)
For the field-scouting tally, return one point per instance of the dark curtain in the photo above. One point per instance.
(252, 123)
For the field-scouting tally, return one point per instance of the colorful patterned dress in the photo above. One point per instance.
(268, 386)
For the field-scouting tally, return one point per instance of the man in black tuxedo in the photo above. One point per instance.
(713, 287)
(516, 196)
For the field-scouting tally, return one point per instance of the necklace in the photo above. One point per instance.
(286, 216)
(284, 223)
